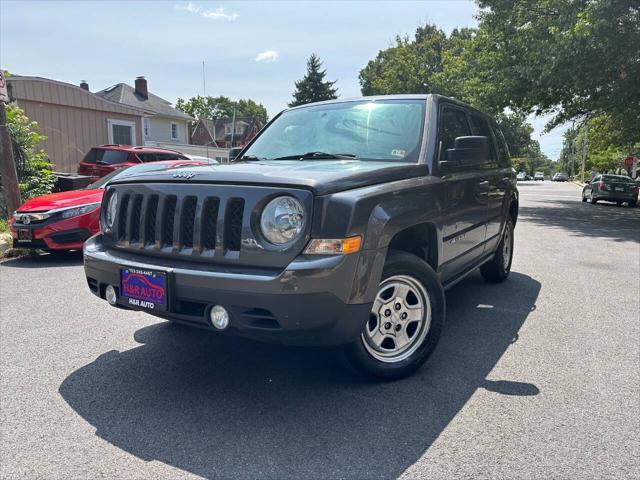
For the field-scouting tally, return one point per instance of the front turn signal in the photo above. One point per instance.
(336, 246)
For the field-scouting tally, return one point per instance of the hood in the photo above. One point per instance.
(320, 176)
(72, 198)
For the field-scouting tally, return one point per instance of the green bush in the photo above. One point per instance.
(37, 178)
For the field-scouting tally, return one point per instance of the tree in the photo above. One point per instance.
(570, 58)
(214, 108)
(431, 62)
(313, 87)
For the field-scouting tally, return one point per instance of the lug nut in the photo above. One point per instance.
(404, 316)
(398, 327)
(398, 306)
(387, 313)
(387, 325)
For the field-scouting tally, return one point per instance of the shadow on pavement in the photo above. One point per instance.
(45, 260)
(228, 407)
(602, 220)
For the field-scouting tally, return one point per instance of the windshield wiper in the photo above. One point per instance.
(318, 156)
(251, 158)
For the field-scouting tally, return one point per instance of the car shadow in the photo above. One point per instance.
(45, 260)
(220, 406)
(601, 220)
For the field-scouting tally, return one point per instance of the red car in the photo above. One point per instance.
(63, 221)
(108, 158)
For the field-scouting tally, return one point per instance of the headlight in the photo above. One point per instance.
(282, 220)
(112, 210)
(74, 212)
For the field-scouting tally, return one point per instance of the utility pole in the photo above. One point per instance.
(584, 149)
(10, 185)
(233, 127)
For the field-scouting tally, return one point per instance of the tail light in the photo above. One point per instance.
(635, 189)
(601, 186)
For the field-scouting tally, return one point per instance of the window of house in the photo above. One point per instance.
(174, 131)
(227, 129)
(121, 132)
(146, 127)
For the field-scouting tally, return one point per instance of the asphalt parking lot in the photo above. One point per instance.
(538, 377)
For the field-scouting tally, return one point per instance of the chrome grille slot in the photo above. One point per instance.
(150, 220)
(122, 217)
(187, 219)
(168, 218)
(134, 221)
(209, 221)
(233, 224)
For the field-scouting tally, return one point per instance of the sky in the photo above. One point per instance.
(251, 49)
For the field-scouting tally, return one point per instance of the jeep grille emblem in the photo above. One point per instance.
(185, 175)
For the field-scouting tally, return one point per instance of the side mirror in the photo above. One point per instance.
(468, 151)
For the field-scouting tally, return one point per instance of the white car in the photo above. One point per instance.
(538, 176)
(521, 177)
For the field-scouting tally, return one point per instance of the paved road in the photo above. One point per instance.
(538, 377)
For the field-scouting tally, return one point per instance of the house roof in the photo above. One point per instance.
(126, 95)
(23, 88)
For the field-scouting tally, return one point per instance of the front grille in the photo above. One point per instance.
(198, 222)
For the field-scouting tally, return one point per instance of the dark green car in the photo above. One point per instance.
(611, 188)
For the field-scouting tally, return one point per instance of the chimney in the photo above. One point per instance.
(141, 87)
(84, 85)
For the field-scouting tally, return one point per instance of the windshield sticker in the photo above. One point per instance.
(398, 152)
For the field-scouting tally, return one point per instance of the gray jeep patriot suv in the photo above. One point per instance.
(341, 223)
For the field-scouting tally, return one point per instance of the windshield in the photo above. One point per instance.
(371, 130)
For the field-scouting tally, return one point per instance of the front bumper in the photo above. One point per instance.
(305, 304)
(57, 234)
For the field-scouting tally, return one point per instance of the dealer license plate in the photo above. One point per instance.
(141, 288)
(24, 235)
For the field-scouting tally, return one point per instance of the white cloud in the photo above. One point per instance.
(268, 56)
(217, 14)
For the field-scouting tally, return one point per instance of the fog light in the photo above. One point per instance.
(219, 317)
(110, 295)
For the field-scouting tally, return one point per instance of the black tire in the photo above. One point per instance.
(633, 203)
(619, 204)
(593, 199)
(402, 265)
(498, 268)
(584, 199)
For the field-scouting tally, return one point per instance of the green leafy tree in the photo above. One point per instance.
(37, 178)
(214, 108)
(313, 87)
(431, 62)
(570, 58)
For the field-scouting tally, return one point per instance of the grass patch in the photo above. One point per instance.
(4, 225)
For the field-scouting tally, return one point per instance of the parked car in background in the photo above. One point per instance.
(64, 220)
(560, 177)
(538, 176)
(521, 177)
(100, 161)
(319, 233)
(611, 188)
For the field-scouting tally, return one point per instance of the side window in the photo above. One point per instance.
(454, 124)
(147, 157)
(480, 127)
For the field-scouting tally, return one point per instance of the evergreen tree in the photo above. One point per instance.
(313, 87)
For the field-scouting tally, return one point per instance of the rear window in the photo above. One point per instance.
(157, 157)
(616, 178)
(105, 157)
